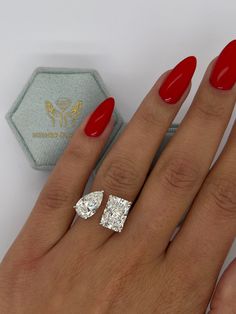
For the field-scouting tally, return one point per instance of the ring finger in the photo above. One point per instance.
(124, 170)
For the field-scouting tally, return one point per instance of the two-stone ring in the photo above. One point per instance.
(114, 214)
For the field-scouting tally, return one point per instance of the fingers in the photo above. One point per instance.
(125, 168)
(53, 212)
(181, 169)
(210, 227)
(224, 299)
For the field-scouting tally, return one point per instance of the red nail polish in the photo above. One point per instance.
(176, 83)
(223, 75)
(100, 118)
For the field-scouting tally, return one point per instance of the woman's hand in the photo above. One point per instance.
(56, 267)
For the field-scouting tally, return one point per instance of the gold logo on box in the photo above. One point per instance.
(63, 114)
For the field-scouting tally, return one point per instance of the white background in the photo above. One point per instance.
(130, 42)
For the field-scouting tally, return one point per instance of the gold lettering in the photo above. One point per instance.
(51, 135)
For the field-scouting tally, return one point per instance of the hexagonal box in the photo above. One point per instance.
(50, 108)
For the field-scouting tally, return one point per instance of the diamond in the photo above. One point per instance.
(115, 213)
(88, 204)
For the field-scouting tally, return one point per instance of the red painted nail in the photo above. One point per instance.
(223, 75)
(100, 118)
(176, 83)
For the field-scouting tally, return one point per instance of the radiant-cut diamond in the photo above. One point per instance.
(115, 213)
(88, 204)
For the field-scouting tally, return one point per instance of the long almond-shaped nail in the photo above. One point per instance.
(178, 80)
(223, 75)
(100, 118)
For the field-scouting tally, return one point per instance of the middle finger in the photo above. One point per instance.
(182, 167)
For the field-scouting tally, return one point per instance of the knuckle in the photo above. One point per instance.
(222, 192)
(179, 174)
(119, 174)
(148, 114)
(54, 197)
(209, 107)
(76, 152)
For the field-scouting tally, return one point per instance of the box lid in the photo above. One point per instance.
(50, 108)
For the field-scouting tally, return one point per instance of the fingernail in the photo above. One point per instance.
(176, 83)
(223, 75)
(100, 118)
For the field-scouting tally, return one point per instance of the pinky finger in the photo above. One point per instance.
(224, 299)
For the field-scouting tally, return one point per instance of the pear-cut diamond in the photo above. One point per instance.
(115, 213)
(88, 204)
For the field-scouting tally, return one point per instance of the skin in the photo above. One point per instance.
(55, 267)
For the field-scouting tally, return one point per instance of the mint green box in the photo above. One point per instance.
(50, 108)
